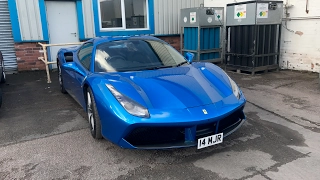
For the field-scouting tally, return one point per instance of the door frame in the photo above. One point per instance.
(80, 22)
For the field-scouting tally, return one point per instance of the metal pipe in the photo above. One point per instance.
(301, 18)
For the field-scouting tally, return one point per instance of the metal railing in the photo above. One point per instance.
(44, 59)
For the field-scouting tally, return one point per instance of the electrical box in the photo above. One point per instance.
(201, 16)
(201, 32)
(254, 12)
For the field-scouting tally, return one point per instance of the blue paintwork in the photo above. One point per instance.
(14, 20)
(173, 96)
(43, 16)
(80, 20)
(127, 32)
(189, 56)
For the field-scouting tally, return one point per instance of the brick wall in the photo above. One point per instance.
(174, 41)
(27, 56)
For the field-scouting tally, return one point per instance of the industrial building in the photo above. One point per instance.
(24, 23)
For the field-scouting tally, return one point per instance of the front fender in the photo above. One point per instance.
(114, 118)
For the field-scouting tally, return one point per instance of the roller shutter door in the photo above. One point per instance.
(6, 39)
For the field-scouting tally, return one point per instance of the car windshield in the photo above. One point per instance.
(135, 55)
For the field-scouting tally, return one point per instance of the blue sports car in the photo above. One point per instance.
(139, 92)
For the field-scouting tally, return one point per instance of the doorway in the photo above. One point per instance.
(62, 25)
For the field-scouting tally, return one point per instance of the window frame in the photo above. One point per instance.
(123, 17)
(88, 69)
(122, 31)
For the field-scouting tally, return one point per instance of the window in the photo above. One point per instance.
(123, 14)
(85, 54)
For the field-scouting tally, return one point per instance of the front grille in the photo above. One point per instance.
(231, 120)
(204, 130)
(156, 135)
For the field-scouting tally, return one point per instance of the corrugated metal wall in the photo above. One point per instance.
(29, 19)
(167, 14)
(6, 39)
(166, 17)
(88, 19)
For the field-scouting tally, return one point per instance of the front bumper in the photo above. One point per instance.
(177, 135)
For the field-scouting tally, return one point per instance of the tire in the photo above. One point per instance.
(3, 75)
(0, 98)
(93, 116)
(62, 89)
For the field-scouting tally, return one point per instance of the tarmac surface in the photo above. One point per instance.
(45, 135)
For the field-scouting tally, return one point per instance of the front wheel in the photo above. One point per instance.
(93, 116)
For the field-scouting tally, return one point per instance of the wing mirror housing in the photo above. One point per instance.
(71, 66)
(189, 56)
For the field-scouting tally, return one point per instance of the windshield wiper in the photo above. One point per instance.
(158, 67)
(182, 63)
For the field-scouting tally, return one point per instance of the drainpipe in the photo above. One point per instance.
(287, 14)
(318, 64)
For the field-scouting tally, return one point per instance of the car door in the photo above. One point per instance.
(68, 76)
(84, 62)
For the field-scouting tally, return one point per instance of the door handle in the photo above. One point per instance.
(75, 34)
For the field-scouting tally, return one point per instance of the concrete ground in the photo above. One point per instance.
(44, 135)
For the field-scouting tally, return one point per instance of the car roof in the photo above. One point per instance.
(98, 40)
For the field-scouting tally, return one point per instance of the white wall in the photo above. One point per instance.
(29, 19)
(300, 42)
(300, 47)
(88, 19)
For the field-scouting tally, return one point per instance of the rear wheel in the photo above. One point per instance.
(3, 77)
(62, 89)
(93, 116)
(0, 98)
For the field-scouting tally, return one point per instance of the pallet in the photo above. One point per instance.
(258, 70)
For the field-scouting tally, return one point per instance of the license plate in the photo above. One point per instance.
(210, 140)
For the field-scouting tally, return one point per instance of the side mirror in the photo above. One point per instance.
(189, 56)
(71, 66)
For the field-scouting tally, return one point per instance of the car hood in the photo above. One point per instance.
(188, 86)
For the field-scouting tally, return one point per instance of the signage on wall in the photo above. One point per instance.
(262, 10)
(193, 18)
(240, 11)
(218, 15)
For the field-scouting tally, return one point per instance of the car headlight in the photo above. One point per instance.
(235, 88)
(128, 104)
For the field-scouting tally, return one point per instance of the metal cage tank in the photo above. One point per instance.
(253, 35)
(201, 30)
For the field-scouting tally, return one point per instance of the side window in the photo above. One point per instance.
(85, 54)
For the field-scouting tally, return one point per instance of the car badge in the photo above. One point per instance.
(204, 111)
